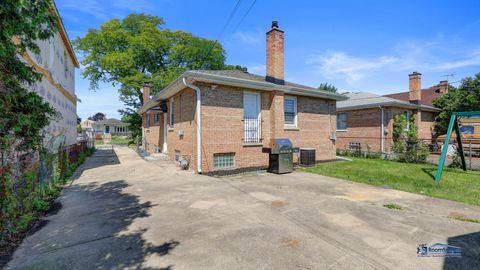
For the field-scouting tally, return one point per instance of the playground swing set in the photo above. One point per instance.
(454, 124)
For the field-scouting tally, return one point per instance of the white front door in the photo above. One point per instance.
(251, 117)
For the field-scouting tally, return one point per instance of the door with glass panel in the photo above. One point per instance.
(251, 117)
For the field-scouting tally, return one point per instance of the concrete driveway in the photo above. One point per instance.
(124, 212)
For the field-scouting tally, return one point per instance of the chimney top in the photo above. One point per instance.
(415, 73)
(444, 82)
(275, 55)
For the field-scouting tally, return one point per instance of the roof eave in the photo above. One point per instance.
(388, 104)
(193, 76)
(64, 36)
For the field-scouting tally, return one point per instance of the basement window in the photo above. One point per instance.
(224, 161)
(178, 155)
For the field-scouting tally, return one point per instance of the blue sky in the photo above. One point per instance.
(355, 45)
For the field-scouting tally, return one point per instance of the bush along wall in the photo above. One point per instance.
(406, 146)
(28, 188)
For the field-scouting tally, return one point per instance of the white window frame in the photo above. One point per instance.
(346, 121)
(295, 119)
(171, 115)
(259, 104)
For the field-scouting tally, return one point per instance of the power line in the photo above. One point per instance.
(232, 13)
(245, 15)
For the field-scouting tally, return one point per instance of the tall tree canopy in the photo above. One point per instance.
(328, 87)
(462, 99)
(98, 117)
(23, 113)
(137, 49)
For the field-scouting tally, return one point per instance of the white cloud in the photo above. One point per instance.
(248, 37)
(472, 60)
(436, 55)
(257, 69)
(339, 65)
(92, 7)
(104, 9)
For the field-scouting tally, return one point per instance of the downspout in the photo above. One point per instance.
(199, 123)
(382, 146)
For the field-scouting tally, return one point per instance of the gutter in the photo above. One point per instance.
(199, 123)
(382, 144)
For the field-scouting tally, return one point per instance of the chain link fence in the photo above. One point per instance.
(368, 147)
(27, 177)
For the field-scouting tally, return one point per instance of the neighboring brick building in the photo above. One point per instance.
(226, 117)
(361, 118)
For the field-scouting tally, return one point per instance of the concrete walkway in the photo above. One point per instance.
(122, 212)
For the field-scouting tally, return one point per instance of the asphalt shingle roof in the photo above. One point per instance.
(110, 121)
(369, 100)
(248, 76)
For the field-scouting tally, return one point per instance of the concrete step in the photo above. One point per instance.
(156, 156)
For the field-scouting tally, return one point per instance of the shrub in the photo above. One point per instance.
(406, 146)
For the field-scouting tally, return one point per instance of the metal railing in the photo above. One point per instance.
(252, 131)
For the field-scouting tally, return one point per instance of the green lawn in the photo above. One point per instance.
(455, 185)
(116, 140)
(120, 140)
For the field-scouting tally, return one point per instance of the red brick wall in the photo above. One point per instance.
(153, 134)
(364, 127)
(184, 120)
(222, 126)
(426, 126)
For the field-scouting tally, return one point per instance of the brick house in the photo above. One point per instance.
(365, 120)
(222, 119)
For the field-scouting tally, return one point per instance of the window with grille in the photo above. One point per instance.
(224, 161)
(178, 155)
(341, 121)
(290, 111)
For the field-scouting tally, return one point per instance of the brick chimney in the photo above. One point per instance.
(443, 87)
(415, 87)
(146, 92)
(275, 55)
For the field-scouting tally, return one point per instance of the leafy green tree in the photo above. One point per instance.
(406, 146)
(99, 116)
(462, 99)
(137, 49)
(23, 113)
(328, 87)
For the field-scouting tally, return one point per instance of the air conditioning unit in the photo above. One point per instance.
(333, 137)
(181, 132)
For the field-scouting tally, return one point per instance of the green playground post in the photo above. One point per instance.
(438, 176)
(460, 145)
(453, 124)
